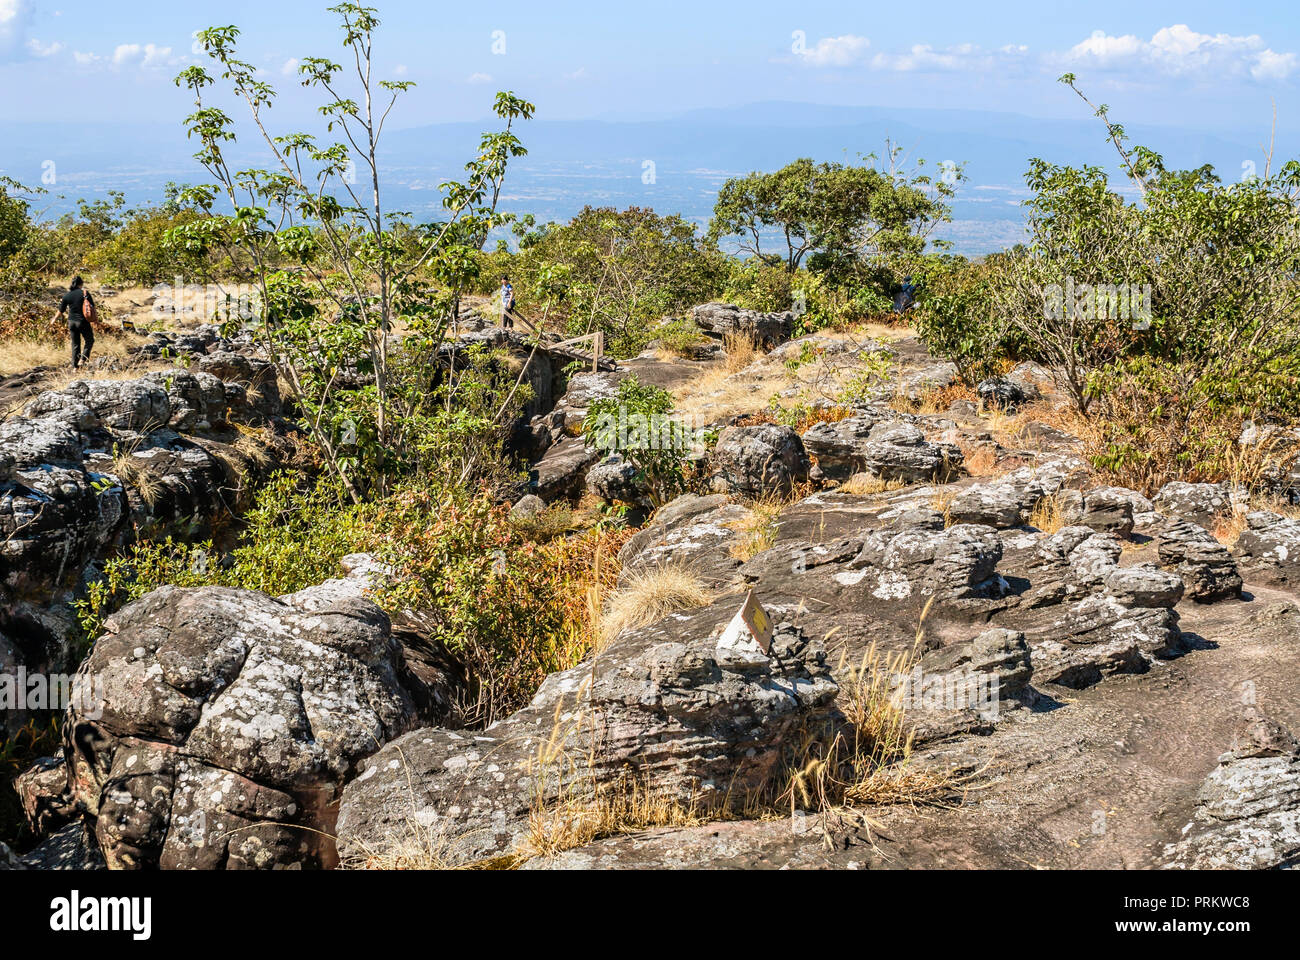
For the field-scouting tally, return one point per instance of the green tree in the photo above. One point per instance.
(621, 271)
(839, 215)
(358, 274)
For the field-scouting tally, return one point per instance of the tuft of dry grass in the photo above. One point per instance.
(1047, 515)
(942, 501)
(934, 401)
(586, 812)
(869, 759)
(132, 471)
(741, 348)
(757, 528)
(649, 595)
(717, 394)
(20, 354)
(865, 485)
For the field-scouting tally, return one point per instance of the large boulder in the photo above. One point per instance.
(899, 451)
(1205, 565)
(214, 728)
(840, 446)
(1201, 503)
(128, 405)
(721, 319)
(1248, 809)
(666, 709)
(1269, 548)
(562, 473)
(759, 461)
(1009, 500)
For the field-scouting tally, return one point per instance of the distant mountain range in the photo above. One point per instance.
(572, 163)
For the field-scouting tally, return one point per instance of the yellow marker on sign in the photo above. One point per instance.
(751, 628)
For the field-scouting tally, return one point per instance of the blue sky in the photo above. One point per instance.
(1215, 66)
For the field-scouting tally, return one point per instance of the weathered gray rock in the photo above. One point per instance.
(1008, 501)
(721, 319)
(197, 401)
(1206, 566)
(615, 480)
(663, 707)
(1100, 636)
(72, 848)
(1111, 509)
(1145, 586)
(562, 473)
(840, 448)
(1006, 393)
(1004, 655)
(1248, 810)
(214, 724)
(1269, 548)
(761, 460)
(899, 451)
(529, 505)
(1201, 503)
(917, 565)
(137, 405)
(989, 505)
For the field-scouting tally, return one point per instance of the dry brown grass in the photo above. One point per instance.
(1048, 413)
(133, 471)
(942, 501)
(1047, 515)
(1229, 527)
(934, 401)
(757, 529)
(20, 354)
(741, 348)
(869, 760)
(649, 595)
(718, 394)
(865, 485)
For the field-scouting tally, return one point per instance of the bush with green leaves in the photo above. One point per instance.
(619, 272)
(956, 315)
(510, 610)
(638, 423)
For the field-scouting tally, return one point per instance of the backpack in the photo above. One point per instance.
(88, 308)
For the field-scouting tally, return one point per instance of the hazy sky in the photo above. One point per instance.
(1212, 65)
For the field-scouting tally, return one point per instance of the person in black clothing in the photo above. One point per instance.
(74, 304)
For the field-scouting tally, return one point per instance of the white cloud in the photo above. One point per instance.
(836, 51)
(400, 70)
(144, 55)
(479, 78)
(86, 59)
(1178, 49)
(15, 18)
(290, 67)
(39, 49)
(924, 57)
(1274, 66)
(579, 74)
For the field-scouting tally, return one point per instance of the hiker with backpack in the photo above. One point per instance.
(79, 305)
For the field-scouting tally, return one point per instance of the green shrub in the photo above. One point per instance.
(638, 423)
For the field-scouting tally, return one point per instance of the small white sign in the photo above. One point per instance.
(750, 629)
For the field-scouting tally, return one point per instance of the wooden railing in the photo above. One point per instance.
(597, 351)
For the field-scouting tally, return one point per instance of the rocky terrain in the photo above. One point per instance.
(1142, 666)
